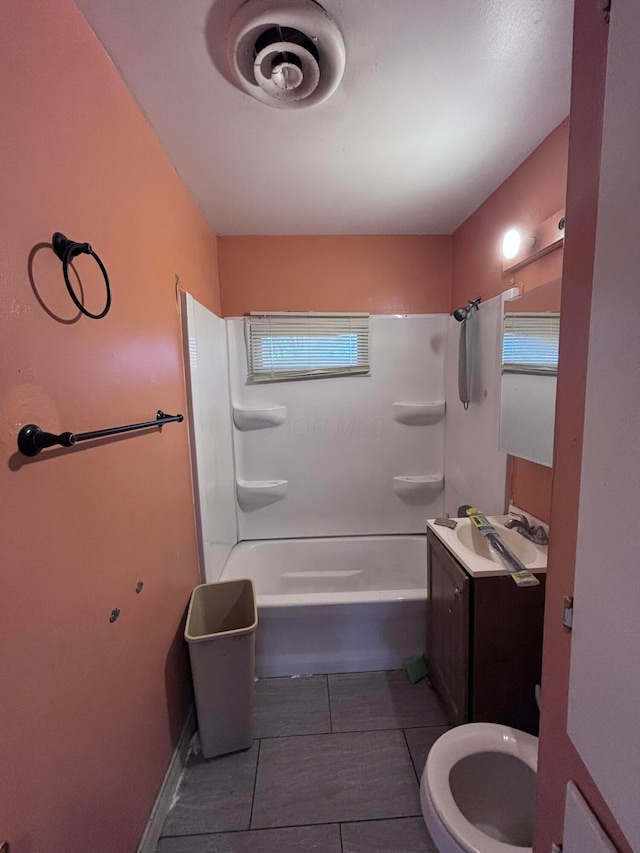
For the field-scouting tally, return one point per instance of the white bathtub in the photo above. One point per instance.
(335, 604)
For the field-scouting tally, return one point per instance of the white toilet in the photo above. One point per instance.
(478, 790)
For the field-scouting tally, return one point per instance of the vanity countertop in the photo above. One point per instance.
(470, 548)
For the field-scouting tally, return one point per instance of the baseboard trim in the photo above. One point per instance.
(151, 834)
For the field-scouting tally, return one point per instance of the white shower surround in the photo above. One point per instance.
(210, 437)
(340, 443)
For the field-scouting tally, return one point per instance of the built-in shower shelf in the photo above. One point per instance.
(419, 414)
(246, 419)
(418, 488)
(255, 494)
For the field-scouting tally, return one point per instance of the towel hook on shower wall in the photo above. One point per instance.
(67, 250)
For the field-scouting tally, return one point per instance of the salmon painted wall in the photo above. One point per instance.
(534, 192)
(90, 710)
(391, 274)
(558, 760)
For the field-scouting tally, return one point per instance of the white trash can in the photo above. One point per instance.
(220, 631)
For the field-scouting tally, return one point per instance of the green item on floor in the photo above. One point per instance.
(416, 669)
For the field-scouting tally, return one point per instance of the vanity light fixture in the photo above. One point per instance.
(518, 250)
(513, 243)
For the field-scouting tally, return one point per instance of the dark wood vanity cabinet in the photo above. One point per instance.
(484, 643)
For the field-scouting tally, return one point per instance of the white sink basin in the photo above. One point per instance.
(475, 542)
(471, 549)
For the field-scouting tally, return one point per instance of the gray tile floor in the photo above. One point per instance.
(334, 768)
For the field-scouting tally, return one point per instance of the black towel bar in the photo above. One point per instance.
(31, 439)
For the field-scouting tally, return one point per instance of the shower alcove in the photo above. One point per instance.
(319, 490)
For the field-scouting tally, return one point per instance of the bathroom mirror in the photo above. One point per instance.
(529, 366)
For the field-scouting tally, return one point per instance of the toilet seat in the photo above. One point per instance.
(456, 744)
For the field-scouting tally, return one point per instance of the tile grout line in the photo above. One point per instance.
(340, 823)
(324, 734)
(341, 839)
(378, 819)
(293, 826)
(255, 783)
(329, 701)
(356, 731)
(404, 734)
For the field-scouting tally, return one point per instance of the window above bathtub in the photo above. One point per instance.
(284, 346)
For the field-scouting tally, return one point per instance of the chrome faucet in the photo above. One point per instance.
(521, 523)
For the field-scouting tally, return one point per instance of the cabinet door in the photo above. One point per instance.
(507, 652)
(448, 630)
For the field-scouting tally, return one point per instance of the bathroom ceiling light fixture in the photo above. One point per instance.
(287, 54)
(519, 250)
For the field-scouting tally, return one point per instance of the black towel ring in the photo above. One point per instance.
(67, 250)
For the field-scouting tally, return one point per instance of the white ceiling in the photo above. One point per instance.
(439, 103)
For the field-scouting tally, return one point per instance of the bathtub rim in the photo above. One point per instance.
(317, 599)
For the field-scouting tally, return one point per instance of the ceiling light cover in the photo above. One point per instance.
(287, 54)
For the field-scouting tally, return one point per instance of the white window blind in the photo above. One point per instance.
(530, 343)
(306, 346)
